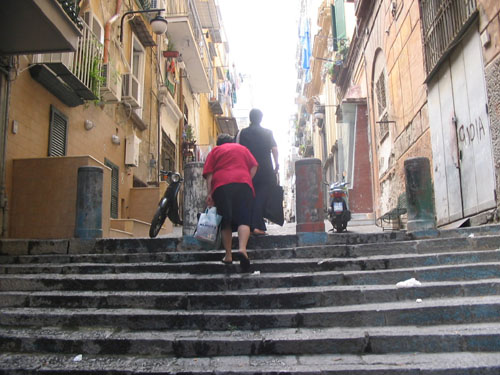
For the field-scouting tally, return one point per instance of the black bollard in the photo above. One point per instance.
(88, 223)
(419, 195)
(195, 192)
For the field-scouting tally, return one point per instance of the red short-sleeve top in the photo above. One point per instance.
(229, 163)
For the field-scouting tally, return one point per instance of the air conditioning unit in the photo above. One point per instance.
(132, 150)
(111, 86)
(130, 90)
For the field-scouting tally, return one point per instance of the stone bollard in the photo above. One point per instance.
(309, 196)
(88, 223)
(195, 192)
(419, 195)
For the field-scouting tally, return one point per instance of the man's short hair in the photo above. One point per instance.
(256, 116)
(224, 138)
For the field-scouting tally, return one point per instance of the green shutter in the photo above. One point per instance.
(58, 133)
(114, 187)
(334, 29)
(339, 27)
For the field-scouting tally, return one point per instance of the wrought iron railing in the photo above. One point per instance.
(187, 8)
(88, 60)
(85, 63)
(443, 21)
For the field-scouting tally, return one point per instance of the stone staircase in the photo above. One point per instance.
(149, 306)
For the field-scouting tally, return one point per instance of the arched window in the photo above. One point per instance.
(380, 97)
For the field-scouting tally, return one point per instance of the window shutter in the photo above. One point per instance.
(339, 26)
(95, 26)
(114, 187)
(58, 133)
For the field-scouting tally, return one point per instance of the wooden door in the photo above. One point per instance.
(461, 142)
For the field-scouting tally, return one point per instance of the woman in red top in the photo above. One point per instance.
(229, 170)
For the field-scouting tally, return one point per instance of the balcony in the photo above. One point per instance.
(215, 103)
(36, 26)
(72, 77)
(186, 33)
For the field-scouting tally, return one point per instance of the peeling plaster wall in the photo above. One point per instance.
(493, 88)
(399, 39)
(489, 28)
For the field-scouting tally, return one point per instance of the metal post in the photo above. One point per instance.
(88, 223)
(419, 194)
(309, 196)
(195, 192)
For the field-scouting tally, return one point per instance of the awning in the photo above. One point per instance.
(227, 125)
(140, 29)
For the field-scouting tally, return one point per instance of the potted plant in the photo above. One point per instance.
(170, 52)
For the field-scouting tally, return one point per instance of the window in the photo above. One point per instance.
(443, 21)
(381, 98)
(94, 25)
(58, 133)
(137, 70)
(167, 153)
(114, 187)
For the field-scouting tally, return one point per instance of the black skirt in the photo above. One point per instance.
(234, 203)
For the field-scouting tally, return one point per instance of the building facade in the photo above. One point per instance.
(426, 75)
(120, 97)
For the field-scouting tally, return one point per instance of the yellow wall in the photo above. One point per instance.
(44, 203)
(208, 127)
(144, 201)
(30, 105)
(30, 108)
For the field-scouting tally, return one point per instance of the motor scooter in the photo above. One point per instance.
(168, 205)
(338, 210)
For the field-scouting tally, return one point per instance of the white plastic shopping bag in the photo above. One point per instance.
(208, 225)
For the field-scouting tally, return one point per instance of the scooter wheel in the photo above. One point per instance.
(339, 227)
(157, 222)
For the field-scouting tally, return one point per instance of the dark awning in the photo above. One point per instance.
(140, 29)
(227, 125)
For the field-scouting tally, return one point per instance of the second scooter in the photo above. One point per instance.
(338, 210)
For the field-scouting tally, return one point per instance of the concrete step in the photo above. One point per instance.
(13, 247)
(262, 264)
(141, 253)
(143, 306)
(441, 311)
(290, 341)
(235, 280)
(459, 363)
(262, 298)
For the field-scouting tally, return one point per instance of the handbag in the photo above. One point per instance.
(208, 226)
(273, 210)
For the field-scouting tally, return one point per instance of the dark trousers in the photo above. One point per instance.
(261, 195)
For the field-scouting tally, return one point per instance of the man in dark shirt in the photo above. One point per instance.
(261, 143)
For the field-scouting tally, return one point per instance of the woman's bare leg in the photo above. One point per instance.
(243, 235)
(227, 241)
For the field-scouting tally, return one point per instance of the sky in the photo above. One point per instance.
(263, 38)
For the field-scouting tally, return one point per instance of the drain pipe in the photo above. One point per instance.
(4, 126)
(107, 31)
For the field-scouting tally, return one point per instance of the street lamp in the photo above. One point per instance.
(158, 24)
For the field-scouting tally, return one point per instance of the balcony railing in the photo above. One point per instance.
(84, 65)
